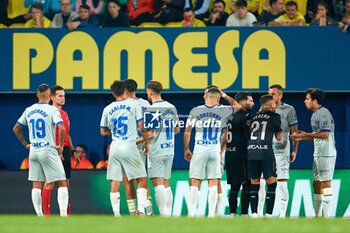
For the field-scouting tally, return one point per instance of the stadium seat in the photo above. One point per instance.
(2, 26)
(150, 25)
(16, 8)
(17, 25)
(173, 25)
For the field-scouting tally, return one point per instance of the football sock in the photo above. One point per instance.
(254, 197)
(161, 199)
(284, 198)
(270, 197)
(68, 208)
(46, 199)
(169, 202)
(148, 206)
(245, 198)
(141, 194)
(232, 198)
(212, 200)
(262, 196)
(327, 200)
(115, 201)
(62, 199)
(318, 204)
(36, 199)
(193, 195)
(131, 206)
(218, 205)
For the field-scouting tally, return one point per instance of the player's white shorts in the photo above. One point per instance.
(205, 165)
(142, 153)
(125, 157)
(323, 168)
(282, 166)
(160, 166)
(45, 165)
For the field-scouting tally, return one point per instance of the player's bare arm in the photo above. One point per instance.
(72, 149)
(177, 130)
(17, 129)
(223, 141)
(144, 134)
(295, 143)
(105, 132)
(187, 137)
(303, 136)
(61, 132)
(279, 136)
(151, 134)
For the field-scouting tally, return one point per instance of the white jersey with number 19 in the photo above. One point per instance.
(41, 119)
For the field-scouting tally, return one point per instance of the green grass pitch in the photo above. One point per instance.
(104, 223)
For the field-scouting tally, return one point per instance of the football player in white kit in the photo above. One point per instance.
(130, 193)
(44, 155)
(282, 148)
(161, 155)
(121, 120)
(325, 152)
(209, 120)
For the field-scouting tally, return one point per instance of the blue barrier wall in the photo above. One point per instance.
(85, 111)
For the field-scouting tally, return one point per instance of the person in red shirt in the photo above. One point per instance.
(58, 98)
(140, 11)
(84, 163)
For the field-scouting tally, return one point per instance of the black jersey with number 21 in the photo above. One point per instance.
(265, 124)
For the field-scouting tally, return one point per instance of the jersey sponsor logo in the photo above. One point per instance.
(40, 144)
(166, 145)
(258, 147)
(231, 149)
(207, 142)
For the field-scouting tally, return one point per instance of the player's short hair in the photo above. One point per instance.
(265, 98)
(42, 88)
(38, 6)
(214, 91)
(292, 3)
(242, 96)
(316, 94)
(241, 3)
(55, 88)
(118, 87)
(277, 86)
(155, 86)
(130, 85)
(85, 148)
(84, 6)
(210, 86)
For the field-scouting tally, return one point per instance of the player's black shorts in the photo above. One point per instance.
(256, 167)
(236, 167)
(66, 162)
